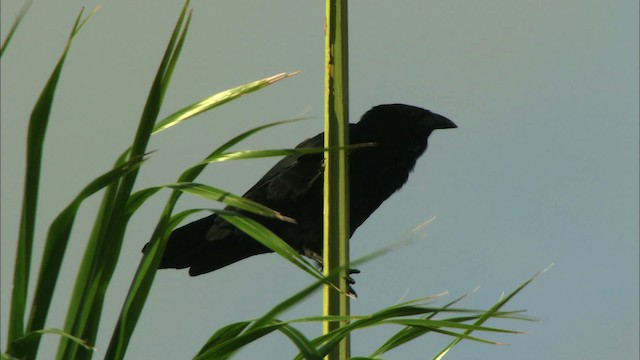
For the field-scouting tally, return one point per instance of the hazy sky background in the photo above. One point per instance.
(542, 170)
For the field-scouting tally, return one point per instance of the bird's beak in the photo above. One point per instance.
(441, 122)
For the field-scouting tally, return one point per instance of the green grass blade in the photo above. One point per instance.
(192, 173)
(139, 197)
(459, 336)
(81, 289)
(231, 338)
(21, 348)
(105, 244)
(35, 141)
(288, 303)
(56, 244)
(267, 238)
(141, 284)
(226, 333)
(215, 194)
(23, 11)
(302, 343)
(210, 193)
(494, 309)
(252, 154)
(328, 341)
(435, 324)
(217, 100)
(237, 139)
(224, 349)
(408, 333)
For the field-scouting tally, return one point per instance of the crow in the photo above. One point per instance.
(294, 187)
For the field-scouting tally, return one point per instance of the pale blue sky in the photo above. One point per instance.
(543, 167)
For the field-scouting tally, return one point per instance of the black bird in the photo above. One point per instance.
(294, 187)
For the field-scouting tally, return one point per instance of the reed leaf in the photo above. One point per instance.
(35, 143)
(56, 244)
(102, 253)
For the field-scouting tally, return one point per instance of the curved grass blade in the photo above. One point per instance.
(192, 173)
(225, 345)
(210, 193)
(267, 238)
(237, 139)
(302, 343)
(56, 243)
(215, 194)
(217, 100)
(436, 324)
(35, 142)
(251, 154)
(459, 336)
(488, 314)
(408, 333)
(226, 333)
(329, 340)
(138, 198)
(288, 303)
(390, 316)
(222, 350)
(21, 347)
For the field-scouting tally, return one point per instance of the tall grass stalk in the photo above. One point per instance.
(336, 174)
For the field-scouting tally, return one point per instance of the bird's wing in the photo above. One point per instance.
(293, 187)
(295, 175)
(291, 177)
(279, 188)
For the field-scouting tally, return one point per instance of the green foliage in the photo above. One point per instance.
(35, 140)
(118, 205)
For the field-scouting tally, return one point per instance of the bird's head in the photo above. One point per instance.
(399, 122)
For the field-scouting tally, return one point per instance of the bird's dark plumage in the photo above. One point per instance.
(294, 187)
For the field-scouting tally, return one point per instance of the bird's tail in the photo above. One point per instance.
(188, 247)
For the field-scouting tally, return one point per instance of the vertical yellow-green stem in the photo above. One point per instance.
(336, 179)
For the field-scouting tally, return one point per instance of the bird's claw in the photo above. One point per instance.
(351, 281)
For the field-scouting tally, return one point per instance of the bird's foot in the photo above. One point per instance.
(351, 281)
